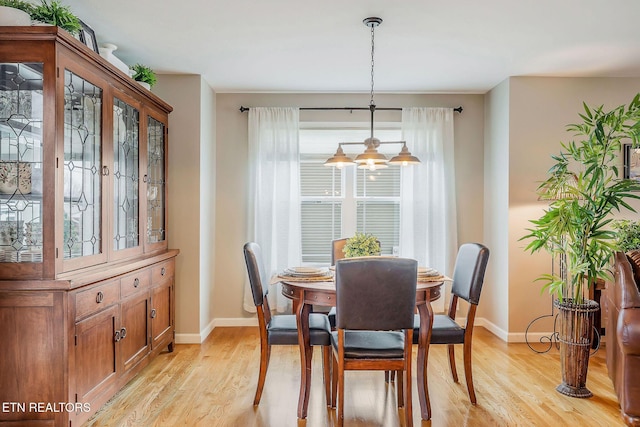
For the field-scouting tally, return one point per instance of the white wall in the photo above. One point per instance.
(207, 206)
(191, 184)
(494, 302)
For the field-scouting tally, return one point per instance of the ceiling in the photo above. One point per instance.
(423, 46)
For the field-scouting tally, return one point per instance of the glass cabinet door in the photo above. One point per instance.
(126, 173)
(155, 181)
(82, 205)
(21, 113)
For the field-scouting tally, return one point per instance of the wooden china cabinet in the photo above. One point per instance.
(86, 276)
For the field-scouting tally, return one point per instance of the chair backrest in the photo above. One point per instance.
(468, 273)
(255, 269)
(337, 250)
(375, 293)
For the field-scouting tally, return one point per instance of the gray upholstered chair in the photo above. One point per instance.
(282, 329)
(375, 302)
(468, 278)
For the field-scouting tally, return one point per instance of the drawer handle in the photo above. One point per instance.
(99, 297)
(153, 313)
(117, 336)
(163, 271)
(123, 333)
(136, 282)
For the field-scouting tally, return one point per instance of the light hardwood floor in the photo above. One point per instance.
(214, 384)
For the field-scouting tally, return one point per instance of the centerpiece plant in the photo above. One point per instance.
(584, 188)
(362, 244)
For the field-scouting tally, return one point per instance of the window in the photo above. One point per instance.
(336, 203)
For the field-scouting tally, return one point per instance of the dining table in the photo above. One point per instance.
(305, 293)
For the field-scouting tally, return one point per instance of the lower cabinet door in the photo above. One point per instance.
(96, 354)
(162, 314)
(135, 319)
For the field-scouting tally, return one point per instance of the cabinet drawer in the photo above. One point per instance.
(162, 271)
(97, 298)
(134, 282)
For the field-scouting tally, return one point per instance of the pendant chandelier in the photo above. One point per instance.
(371, 159)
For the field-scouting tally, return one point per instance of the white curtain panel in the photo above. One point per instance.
(428, 220)
(274, 194)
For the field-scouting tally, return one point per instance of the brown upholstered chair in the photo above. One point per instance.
(375, 302)
(468, 278)
(282, 329)
(622, 306)
(337, 249)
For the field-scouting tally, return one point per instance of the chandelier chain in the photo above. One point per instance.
(372, 61)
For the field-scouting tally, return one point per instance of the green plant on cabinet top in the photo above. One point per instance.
(55, 13)
(142, 73)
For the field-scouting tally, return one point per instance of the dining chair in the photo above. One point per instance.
(375, 302)
(337, 252)
(282, 329)
(468, 278)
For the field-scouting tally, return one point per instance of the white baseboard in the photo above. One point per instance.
(188, 339)
(512, 337)
(227, 322)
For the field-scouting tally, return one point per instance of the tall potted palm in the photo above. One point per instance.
(585, 189)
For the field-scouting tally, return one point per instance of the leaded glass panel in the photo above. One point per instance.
(155, 182)
(21, 114)
(82, 167)
(125, 175)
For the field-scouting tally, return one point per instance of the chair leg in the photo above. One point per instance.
(467, 371)
(400, 388)
(408, 408)
(452, 362)
(265, 353)
(334, 381)
(326, 369)
(389, 376)
(340, 394)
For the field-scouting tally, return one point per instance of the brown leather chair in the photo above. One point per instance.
(281, 329)
(468, 278)
(375, 302)
(622, 306)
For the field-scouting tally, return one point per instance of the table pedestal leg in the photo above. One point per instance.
(302, 311)
(426, 320)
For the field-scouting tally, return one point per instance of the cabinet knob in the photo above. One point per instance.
(163, 271)
(99, 297)
(145, 178)
(123, 333)
(105, 170)
(136, 282)
(153, 313)
(116, 337)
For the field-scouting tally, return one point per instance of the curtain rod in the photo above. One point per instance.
(243, 109)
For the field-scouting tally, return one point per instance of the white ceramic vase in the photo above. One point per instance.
(106, 51)
(12, 16)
